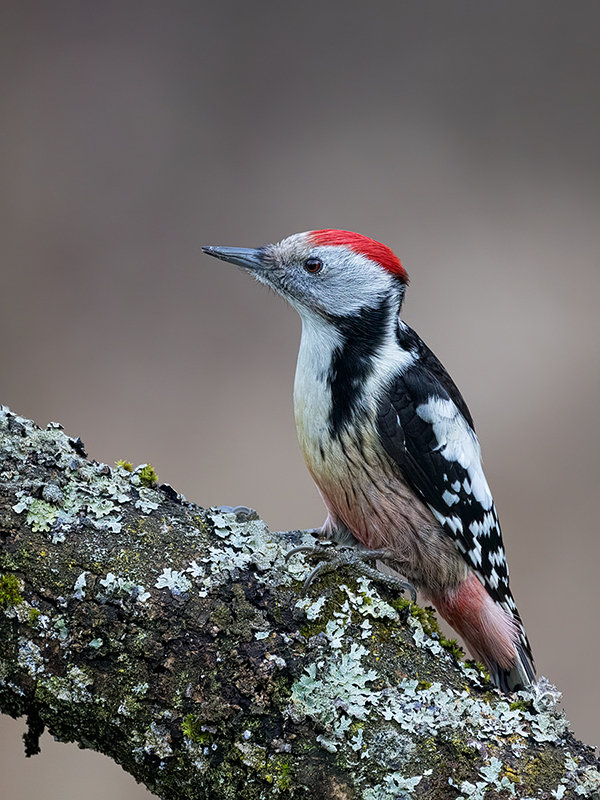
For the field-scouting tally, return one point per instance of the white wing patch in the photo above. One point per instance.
(457, 442)
(429, 437)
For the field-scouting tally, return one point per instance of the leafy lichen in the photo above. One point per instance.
(41, 515)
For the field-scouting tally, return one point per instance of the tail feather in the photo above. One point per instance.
(520, 676)
(493, 633)
(523, 672)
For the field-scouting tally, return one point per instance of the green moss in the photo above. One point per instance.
(429, 623)
(463, 751)
(32, 617)
(195, 729)
(313, 628)
(275, 770)
(278, 772)
(511, 774)
(521, 705)
(126, 465)
(477, 665)
(10, 591)
(148, 476)
(452, 646)
(426, 616)
(284, 779)
(199, 523)
(544, 770)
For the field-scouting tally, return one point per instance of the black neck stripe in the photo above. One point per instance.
(352, 360)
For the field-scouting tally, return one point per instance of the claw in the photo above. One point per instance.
(408, 587)
(323, 566)
(349, 556)
(306, 548)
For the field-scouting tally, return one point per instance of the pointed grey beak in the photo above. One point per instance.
(242, 256)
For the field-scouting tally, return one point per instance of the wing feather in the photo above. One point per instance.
(425, 427)
(427, 430)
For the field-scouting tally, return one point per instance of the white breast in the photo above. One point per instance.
(312, 394)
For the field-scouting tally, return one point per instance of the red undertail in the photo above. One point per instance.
(491, 633)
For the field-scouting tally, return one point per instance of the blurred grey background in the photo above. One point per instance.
(464, 135)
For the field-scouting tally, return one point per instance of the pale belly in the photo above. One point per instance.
(364, 489)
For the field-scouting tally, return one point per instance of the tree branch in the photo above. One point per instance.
(175, 640)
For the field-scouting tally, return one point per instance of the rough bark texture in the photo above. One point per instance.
(175, 640)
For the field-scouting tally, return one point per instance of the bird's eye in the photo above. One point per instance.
(313, 265)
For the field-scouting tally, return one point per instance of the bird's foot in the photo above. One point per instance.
(332, 556)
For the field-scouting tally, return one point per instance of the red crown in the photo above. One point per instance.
(376, 251)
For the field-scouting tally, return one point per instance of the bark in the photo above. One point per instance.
(176, 640)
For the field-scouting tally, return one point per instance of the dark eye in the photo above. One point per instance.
(313, 265)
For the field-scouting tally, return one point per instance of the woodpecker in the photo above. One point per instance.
(389, 440)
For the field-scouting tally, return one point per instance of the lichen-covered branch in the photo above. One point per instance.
(175, 640)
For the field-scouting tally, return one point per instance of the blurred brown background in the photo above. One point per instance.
(465, 135)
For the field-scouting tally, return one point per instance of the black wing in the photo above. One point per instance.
(426, 428)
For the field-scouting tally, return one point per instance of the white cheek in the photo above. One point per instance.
(349, 282)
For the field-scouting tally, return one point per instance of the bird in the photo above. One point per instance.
(389, 440)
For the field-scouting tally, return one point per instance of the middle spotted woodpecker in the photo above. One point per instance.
(388, 438)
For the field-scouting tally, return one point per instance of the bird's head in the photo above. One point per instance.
(330, 273)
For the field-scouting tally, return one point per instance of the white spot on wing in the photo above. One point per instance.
(475, 554)
(485, 526)
(449, 498)
(498, 558)
(493, 579)
(453, 522)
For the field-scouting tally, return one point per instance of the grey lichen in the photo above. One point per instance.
(79, 489)
(489, 779)
(157, 741)
(74, 687)
(118, 588)
(339, 688)
(396, 785)
(339, 694)
(175, 581)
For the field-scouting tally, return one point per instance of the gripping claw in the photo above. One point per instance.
(335, 557)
